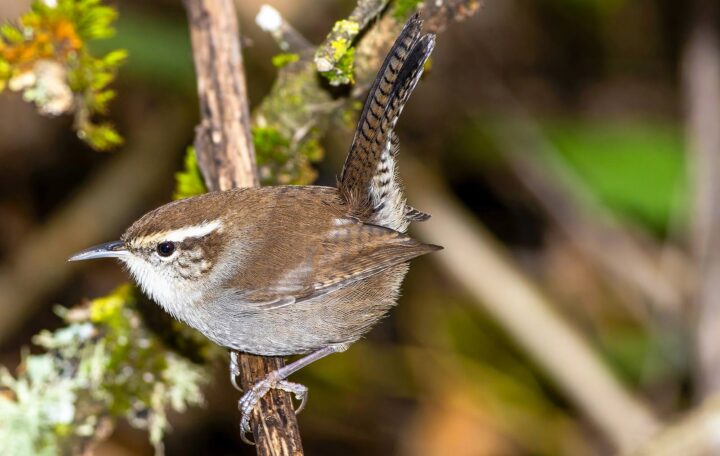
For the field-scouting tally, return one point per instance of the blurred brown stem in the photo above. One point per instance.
(696, 434)
(227, 159)
(473, 259)
(701, 80)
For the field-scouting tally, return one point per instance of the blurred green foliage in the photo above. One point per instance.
(160, 49)
(636, 168)
(280, 60)
(189, 181)
(646, 357)
(46, 57)
(281, 162)
(403, 8)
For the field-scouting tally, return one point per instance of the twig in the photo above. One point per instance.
(371, 49)
(696, 434)
(439, 13)
(701, 80)
(227, 159)
(95, 214)
(285, 35)
(473, 259)
(345, 31)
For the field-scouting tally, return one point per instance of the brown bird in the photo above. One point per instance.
(289, 270)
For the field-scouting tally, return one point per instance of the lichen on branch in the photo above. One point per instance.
(335, 58)
(103, 365)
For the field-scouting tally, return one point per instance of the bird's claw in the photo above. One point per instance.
(252, 397)
(235, 370)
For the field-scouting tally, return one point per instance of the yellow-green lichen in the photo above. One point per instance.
(347, 27)
(344, 70)
(102, 365)
(281, 60)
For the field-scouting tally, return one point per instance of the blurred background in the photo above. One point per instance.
(568, 152)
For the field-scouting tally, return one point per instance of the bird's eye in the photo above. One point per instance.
(165, 248)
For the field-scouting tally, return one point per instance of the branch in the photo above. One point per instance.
(345, 32)
(701, 84)
(227, 159)
(695, 434)
(286, 37)
(223, 142)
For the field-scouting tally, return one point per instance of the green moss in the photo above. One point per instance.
(312, 150)
(281, 60)
(270, 145)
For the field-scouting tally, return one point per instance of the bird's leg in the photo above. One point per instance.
(276, 380)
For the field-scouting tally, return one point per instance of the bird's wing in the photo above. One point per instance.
(346, 252)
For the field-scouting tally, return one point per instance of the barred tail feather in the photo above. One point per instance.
(369, 179)
(377, 102)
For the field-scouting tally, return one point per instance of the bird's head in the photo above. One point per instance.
(168, 251)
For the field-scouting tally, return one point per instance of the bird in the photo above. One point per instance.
(290, 270)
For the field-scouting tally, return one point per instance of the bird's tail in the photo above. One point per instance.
(369, 181)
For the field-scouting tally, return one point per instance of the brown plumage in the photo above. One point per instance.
(291, 269)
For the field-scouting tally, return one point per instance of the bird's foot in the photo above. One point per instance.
(251, 398)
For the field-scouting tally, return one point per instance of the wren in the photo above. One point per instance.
(288, 270)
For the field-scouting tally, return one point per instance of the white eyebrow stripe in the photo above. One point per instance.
(179, 235)
(196, 231)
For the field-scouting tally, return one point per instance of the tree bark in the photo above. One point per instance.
(223, 142)
(227, 159)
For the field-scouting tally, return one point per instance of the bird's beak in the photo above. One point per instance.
(115, 249)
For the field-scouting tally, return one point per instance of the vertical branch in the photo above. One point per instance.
(701, 80)
(223, 142)
(227, 159)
